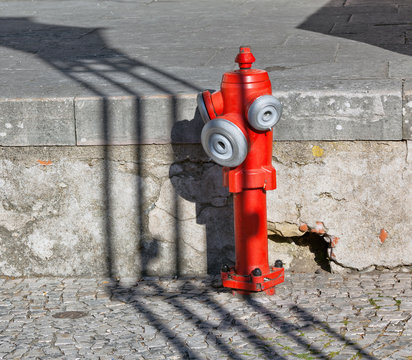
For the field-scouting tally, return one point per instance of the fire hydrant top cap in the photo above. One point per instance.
(245, 75)
(245, 58)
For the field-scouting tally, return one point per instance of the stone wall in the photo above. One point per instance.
(161, 210)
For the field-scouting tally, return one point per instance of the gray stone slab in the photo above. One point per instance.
(351, 51)
(282, 55)
(130, 120)
(401, 68)
(383, 18)
(405, 7)
(362, 3)
(299, 37)
(29, 84)
(385, 35)
(326, 111)
(26, 122)
(407, 110)
(330, 71)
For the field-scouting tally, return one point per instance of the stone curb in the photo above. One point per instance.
(313, 110)
(407, 109)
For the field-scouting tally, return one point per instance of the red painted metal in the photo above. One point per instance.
(250, 180)
(207, 98)
(251, 231)
(245, 58)
(246, 284)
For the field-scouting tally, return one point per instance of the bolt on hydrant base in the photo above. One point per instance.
(238, 135)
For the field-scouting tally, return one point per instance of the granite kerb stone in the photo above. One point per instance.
(41, 121)
(407, 110)
(313, 110)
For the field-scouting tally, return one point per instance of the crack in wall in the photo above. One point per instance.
(329, 195)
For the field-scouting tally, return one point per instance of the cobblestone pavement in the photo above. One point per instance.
(312, 316)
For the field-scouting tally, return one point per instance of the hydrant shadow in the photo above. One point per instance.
(197, 179)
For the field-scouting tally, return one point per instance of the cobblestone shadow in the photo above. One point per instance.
(324, 316)
(209, 323)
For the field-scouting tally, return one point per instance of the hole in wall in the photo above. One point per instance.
(301, 254)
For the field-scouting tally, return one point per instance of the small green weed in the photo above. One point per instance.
(286, 348)
(374, 304)
(304, 356)
(265, 338)
(356, 356)
(329, 343)
(332, 354)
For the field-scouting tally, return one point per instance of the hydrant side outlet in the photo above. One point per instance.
(238, 135)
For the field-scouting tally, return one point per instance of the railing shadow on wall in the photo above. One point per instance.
(81, 54)
(84, 57)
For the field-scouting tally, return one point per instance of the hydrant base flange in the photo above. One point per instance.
(248, 284)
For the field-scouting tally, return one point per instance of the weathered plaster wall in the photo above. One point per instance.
(354, 192)
(161, 209)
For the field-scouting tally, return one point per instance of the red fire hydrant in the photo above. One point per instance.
(238, 135)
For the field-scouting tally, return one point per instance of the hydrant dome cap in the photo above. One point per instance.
(245, 76)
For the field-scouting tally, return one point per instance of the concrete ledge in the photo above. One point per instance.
(341, 110)
(313, 110)
(407, 110)
(125, 120)
(26, 122)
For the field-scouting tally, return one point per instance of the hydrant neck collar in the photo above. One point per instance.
(245, 76)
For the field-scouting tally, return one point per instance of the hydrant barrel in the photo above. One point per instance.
(251, 231)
